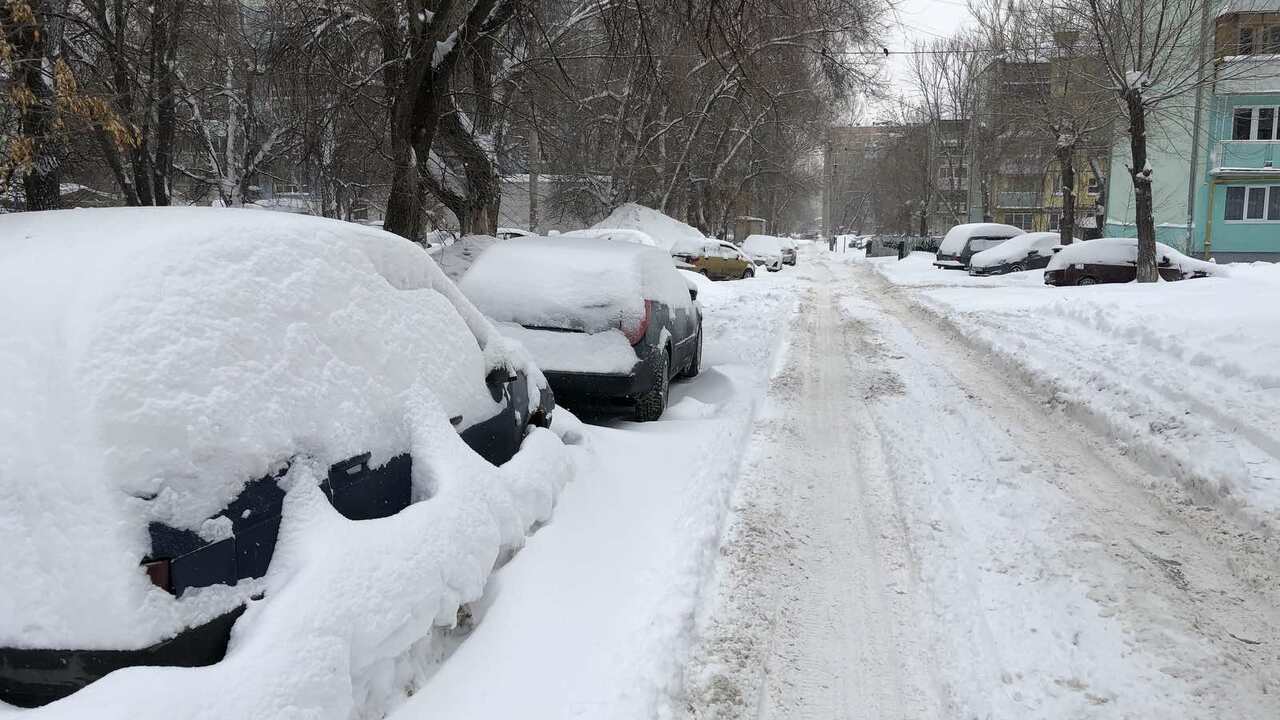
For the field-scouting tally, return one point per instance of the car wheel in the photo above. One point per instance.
(1017, 268)
(1086, 280)
(695, 365)
(652, 403)
(748, 273)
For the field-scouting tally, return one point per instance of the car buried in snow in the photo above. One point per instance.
(1115, 260)
(167, 368)
(1029, 251)
(610, 323)
(718, 260)
(962, 242)
(764, 250)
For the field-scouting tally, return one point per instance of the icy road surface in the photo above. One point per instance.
(857, 513)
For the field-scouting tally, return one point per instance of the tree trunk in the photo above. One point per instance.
(1141, 175)
(1067, 226)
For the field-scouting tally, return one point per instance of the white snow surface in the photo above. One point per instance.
(669, 233)
(572, 283)
(1182, 373)
(607, 351)
(954, 241)
(456, 258)
(639, 237)
(1016, 248)
(181, 352)
(1124, 251)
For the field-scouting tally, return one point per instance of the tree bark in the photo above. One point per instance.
(1067, 225)
(1141, 175)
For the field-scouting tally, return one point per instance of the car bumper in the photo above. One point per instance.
(1054, 277)
(949, 264)
(604, 393)
(34, 677)
(996, 270)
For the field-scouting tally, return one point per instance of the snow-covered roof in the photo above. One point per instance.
(153, 360)
(956, 238)
(571, 283)
(1249, 6)
(639, 237)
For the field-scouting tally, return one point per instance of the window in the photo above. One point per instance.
(1094, 187)
(1022, 220)
(1252, 203)
(979, 244)
(1271, 45)
(1254, 123)
(1246, 41)
(1055, 220)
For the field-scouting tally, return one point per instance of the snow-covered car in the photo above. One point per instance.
(610, 324)
(174, 378)
(789, 250)
(765, 250)
(506, 233)
(718, 260)
(1115, 260)
(639, 237)
(1029, 251)
(962, 242)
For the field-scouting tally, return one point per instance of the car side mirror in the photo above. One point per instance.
(499, 376)
(1057, 249)
(693, 293)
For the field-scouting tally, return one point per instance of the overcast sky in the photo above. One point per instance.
(913, 20)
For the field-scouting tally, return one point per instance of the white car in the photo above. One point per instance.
(184, 386)
(764, 250)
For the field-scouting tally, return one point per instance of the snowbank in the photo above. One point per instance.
(571, 283)
(1183, 373)
(154, 360)
(669, 233)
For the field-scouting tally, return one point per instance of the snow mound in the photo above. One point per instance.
(667, 232)
(154, 360)
(572, 283)
(456, 259)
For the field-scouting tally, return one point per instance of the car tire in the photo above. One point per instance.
(1017, 268)
(653, 402)
(748, 273)
(695, 365)
(1086, 280)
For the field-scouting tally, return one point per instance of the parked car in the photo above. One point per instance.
(164, 368)
(610, 324)
(506, 233)
(1029, 251)
(789, 251)
(718, 260)
(964, 241)
(764, 250)
(1115, 260)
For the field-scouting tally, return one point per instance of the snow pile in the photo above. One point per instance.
(148, 374)
(572, 283)
(638, 237)
(957, 237)
(667, 232)
(1183, 374)
(607, 351)
(1016, 249)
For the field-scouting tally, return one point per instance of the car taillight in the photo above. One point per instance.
(636, 330)
(158, 571)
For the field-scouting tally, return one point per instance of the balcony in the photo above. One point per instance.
(1244, 155)
(1248, 74)
(1018, 200)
